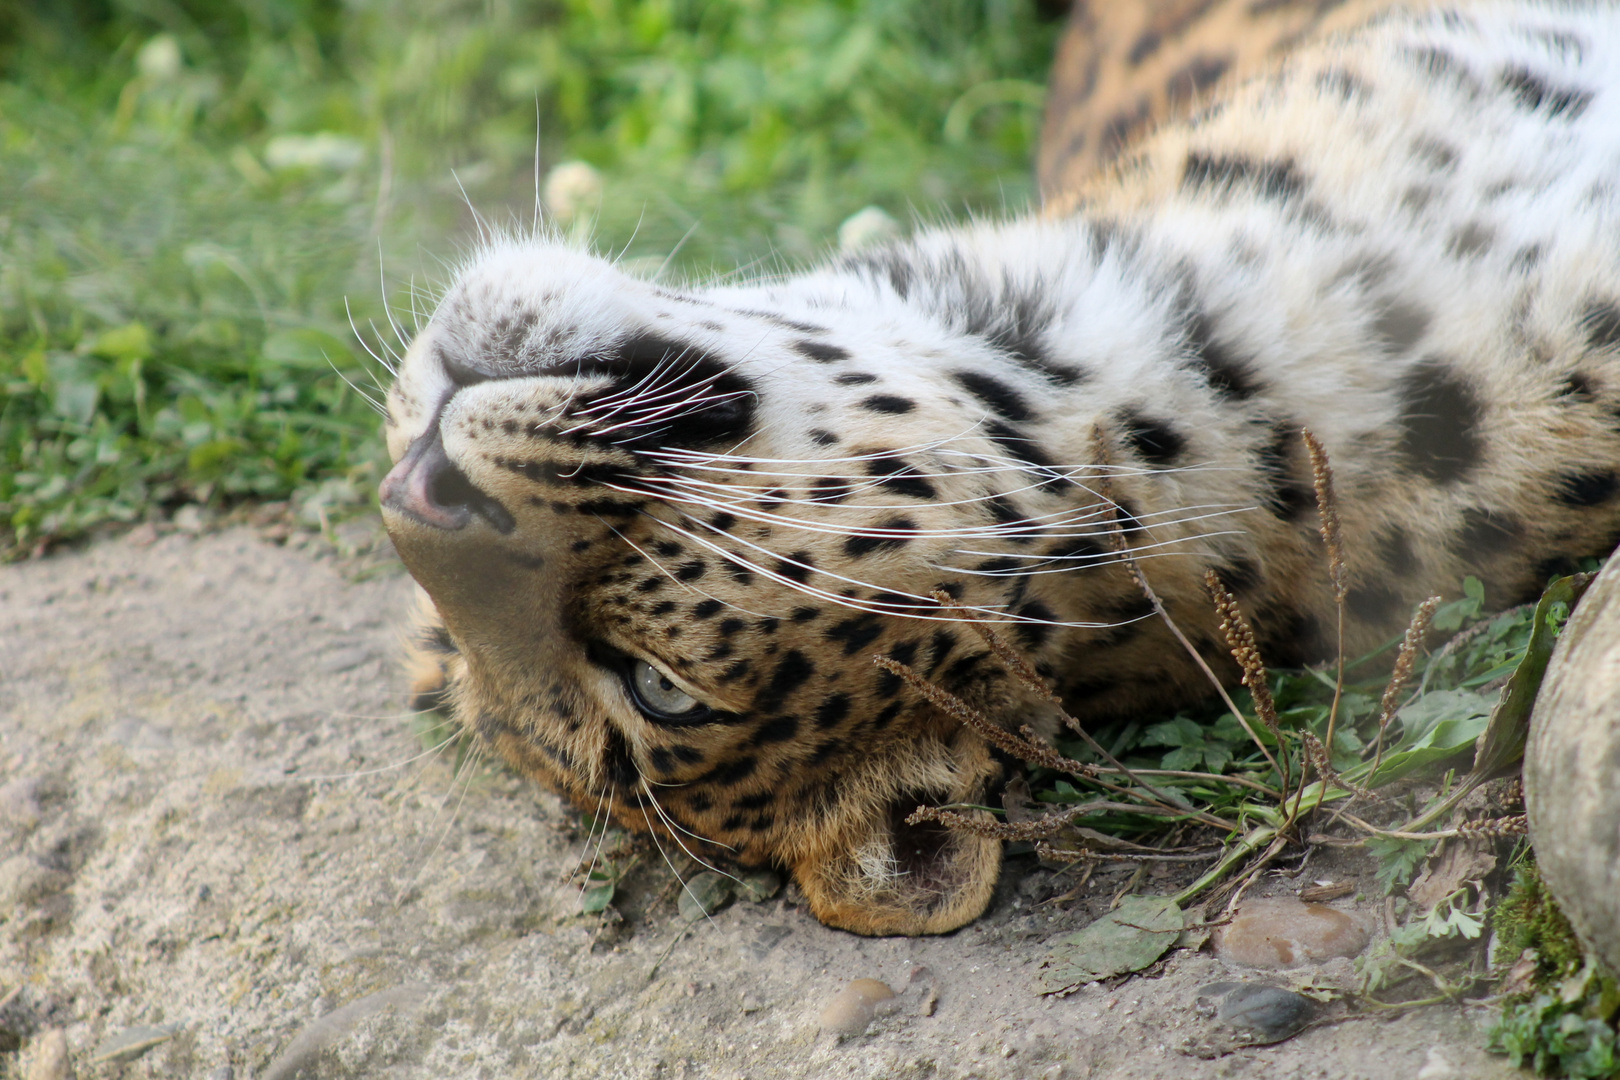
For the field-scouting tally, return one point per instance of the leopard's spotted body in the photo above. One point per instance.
(666, 528)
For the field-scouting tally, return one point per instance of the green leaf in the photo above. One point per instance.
(1129, 938)
(704, 895)
(596, 897)
(1502, 742)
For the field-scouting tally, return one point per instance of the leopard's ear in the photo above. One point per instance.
(872, 873)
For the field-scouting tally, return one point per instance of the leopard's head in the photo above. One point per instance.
(667, 530)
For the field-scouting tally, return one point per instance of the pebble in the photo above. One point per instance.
(26, 880)
(853, 1008)
(704, 895)
(132, 1042)
(1256, 1013)
(48, 1057)
(1284, 933)
(19, 802)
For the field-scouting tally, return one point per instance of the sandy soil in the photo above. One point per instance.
(215, 823)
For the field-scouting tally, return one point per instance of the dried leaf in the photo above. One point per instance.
(1128, 938)
(1461, 861)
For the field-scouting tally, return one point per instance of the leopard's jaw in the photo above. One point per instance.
(754, 489)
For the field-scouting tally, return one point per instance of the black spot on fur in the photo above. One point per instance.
(1144, 46)
(1485, 532)
(1032, 635)
(646, 367)
(1239, 574)
(832, 710)
(1153, 440)
(610, 507)
(1281, 463)
(778, 729)
(886, 716)
(1374, 603)
(1395, 552)
(1469, 240)
(888, 404)
(1228, 375)
(855, 633)
(1578, 386)
(1399, 325)
(1434, 153)
(1588, 488)
(822, 437)
(730, 773)
(805, 614)
(791, 672)
(1535, 94)
(856, 378)
(1195, 76)
(1601, 322)
(996, 395)
(940, 646)
(899, 476)
(691, 571)
(1440, 422)
(736, 671)
(731, 626)
(707, 609)
(820, 351)
(796, 567)
(650, 584)
(829, 489)
(857, 546)
(826, 750)
(1221, 173)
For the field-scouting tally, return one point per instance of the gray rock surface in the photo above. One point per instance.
(216, 819)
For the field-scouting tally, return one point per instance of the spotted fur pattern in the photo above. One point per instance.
(1407, 240)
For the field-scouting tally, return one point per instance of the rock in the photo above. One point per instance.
(1569, 769)
(132, 1042)
(1256, 1013)
(852, 1009)
(48, 1057)
(1284, 932)
(758, 886)
(19, 802)
(26, 880)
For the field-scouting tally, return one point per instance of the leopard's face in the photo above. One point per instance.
(667, 531)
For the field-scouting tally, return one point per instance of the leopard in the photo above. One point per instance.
(662, 529)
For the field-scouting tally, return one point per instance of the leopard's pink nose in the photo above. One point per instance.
(426, 486)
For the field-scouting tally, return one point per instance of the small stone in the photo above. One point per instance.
(751, 1004)
(1284, 933)
(26, 880)
(339, 660)
(48, 1057)
(1436, 1067)
(132, 1042)
(19, 802)
(852, 1009)
(1257, 1014)
(758, 886)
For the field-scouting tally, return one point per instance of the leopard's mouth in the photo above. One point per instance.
(427, 487)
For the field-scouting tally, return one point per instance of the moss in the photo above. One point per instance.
(1529, 918)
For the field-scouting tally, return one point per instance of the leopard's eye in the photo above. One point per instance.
(660, 698)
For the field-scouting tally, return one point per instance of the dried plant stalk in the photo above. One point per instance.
(1405, 662)
(1116, 540)
(1512, 825)
(1318, 754)
(1327, 507)
(1240, 639)
(1043, 828)
(1026, 749)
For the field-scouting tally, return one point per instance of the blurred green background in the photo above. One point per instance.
(196, 196)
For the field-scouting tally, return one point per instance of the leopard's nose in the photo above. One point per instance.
(425, 485)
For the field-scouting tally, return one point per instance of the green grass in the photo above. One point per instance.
(176, 288)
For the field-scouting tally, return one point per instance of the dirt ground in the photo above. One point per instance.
(217, 829)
